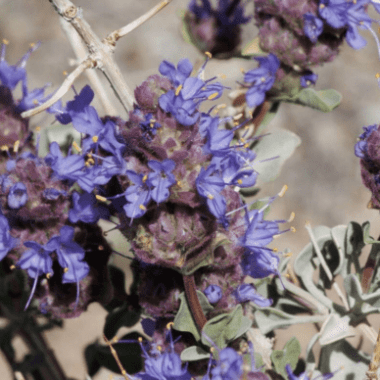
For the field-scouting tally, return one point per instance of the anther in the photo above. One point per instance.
(178, 89)
(48, 275)
(263, 79)
(222, 76)
(140, 339)
(38, 129)
(169, 325)
(275, 249)
(16, 146)
(212, 349)
(321, 6)
(283, 191)
(242, 70)
(100, 198)
(95, 139)
(142, 207)
(179, 183)
(4, 148)
(101, 248)
(5, 42)
(239, 181)
(208, 54)
(291, 217)
(77, 147)
(35, 102)
(65, 270)
(144, 178)
(213, 96)
(64, 73)
(289, 254)
(32, 45)
(159, 348)
(12, 267)
(210, 196)
(293, 229)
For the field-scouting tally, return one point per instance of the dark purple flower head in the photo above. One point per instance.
(308, 79)
(17, 196)
(7, 242)
(161, 179)
(262, 79)
(247, 292)
(213, 293)
(313, 27)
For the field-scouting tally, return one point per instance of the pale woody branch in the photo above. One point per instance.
(66, 85)
(117, 34)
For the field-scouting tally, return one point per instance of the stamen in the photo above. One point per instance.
(321, 6)
(144, 178)
(239, 181)
(5, 41)
(142, 207)
(64, 72)
(38, 129)
(95, 139)
(209, 55)
(100, 198)
(292, 229)
(222, 76)
(4, 148)
(48, 275)
(213, 96)
(169, 325)
(178, 90)
(12, 267)
(65, 270)
(209, 196)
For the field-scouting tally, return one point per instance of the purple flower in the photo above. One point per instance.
(247, 292)
(361, 147)
(52, 194)
(138, 195)
(262, 79)
(10, 76)
(176, 76)
(36, 261)
(313, 27)
(229, 365)
(260, 263)
(303, 375)
(308, 78)
(149, 127)
(86, 209)
(65, 168)
(218, 140)
(17, 196)
(340, 13)
(161, 179)
(209, 186)
(7, 242)
(70, 257)
(31, 99)
(213, 293)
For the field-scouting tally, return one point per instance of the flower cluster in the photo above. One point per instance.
(217, 31)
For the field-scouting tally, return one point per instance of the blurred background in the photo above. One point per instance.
(323, 175)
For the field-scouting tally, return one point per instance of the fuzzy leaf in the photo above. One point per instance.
(366, 236)
(335, 328)
(289, 355)
(324, 100)
(277, 147)
(223, 328)
(194, 353)
(184, 321)
(353, 363)
(252, 49)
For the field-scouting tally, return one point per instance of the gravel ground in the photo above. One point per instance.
(323, 175)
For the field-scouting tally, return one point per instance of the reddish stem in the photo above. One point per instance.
(193, 302)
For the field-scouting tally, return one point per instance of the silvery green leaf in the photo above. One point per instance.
(373, 263)
(309, 357)
(359, 302)
(349, 362)
(269, 318)
(324, 100)
(305, 268)
(273, 150)
(245, 325)
(338, 234)
(335, 328)
(253, 49)
(289, 355)
(184, 321)
(366, 236)
(223, 328)
(194, 353)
